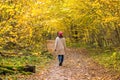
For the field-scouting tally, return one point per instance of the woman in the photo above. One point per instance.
(60, 47)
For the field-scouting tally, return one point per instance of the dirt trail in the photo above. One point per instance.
(76, 66)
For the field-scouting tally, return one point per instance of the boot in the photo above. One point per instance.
(60, 64)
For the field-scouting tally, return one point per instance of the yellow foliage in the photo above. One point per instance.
(29, 22)
(110, 19)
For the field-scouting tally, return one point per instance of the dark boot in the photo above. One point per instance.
(60, 64)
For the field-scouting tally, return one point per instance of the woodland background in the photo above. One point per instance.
(25, 25)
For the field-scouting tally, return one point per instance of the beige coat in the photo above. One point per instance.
(60, 45)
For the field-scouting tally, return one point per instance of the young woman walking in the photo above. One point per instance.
(60, 47)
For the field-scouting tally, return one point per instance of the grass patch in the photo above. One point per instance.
(11, 66)
(107, 58)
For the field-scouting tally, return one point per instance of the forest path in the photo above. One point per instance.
(76, 66)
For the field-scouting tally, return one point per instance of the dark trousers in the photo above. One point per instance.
(61, 59)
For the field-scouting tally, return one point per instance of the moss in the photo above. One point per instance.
(26, 73)
(6, 71)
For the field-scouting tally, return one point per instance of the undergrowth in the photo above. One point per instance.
(108, 58)
(12, 66)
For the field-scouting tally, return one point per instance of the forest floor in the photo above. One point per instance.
(77, 66)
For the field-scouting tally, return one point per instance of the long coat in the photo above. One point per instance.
(60, 45)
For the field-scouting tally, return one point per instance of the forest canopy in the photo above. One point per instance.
(27, 24)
